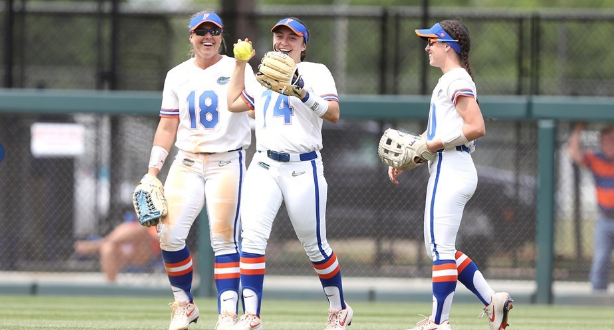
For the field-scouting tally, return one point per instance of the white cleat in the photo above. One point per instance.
(498, 309)
(248, 322)
(428, 324)
(226, 321)
(340, 319)
(183, 314)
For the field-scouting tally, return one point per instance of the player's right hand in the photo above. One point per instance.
(393, 173)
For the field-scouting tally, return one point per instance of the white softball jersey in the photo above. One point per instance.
(285, 123)
(204, 171)
(443, 117)
(453, 177)
(198, 98)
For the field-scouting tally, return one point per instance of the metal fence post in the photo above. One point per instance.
(424, 87)
(205, 257)
(8, 44)
(384, 53)
(545, 211)
(535, 45)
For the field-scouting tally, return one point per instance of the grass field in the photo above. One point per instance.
(76, 313)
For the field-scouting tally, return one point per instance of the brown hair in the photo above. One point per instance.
(459, 31)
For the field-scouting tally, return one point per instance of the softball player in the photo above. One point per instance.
(288, 167)
(455, 122)
(209, 167)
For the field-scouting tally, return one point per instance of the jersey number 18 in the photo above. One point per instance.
(208, 113)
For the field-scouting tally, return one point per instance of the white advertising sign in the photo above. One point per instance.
(57, 140)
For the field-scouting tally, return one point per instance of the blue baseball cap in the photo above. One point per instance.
(438, 32)
(294, 25)
(204, 18)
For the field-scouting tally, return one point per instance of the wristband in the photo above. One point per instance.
(317, 104)
(451, 140)
(157, 157)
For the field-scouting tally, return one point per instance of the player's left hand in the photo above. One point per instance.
(149, 201)
(278, 72)
(403, 151)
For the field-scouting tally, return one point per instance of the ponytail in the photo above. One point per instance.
(458, 31)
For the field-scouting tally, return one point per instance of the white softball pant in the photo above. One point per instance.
(302, 187)
(452, 182)
(194, 179)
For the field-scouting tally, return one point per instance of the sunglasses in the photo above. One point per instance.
(432, 41)
(203, 32)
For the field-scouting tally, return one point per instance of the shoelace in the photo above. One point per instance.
(332, 317)
(228, 316)
(484, 312)
(247, 319)
(179, 309)
(425, 321)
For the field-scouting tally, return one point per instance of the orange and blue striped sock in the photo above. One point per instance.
(252, 279)
(444, 285)
(227, 276)
(180, 271)
(471, 277)
(330, 276)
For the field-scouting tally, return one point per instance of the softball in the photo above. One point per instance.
(243, 50)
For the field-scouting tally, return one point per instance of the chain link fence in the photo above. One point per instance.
(575, 206)
(370, 50)
(49, 202)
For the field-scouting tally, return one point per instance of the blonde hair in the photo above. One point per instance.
(223, 45)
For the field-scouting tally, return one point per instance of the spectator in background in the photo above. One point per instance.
(129, 244)
(601, 165)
